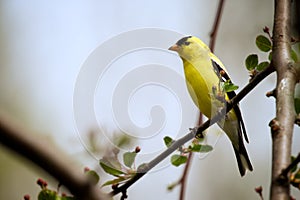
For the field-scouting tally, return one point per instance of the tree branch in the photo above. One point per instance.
(285, 111)
(41, 153)
(145, 168)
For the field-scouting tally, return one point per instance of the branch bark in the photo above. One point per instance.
(282, 126)
(41, 153)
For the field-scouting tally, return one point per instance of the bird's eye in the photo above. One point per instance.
(186, 43)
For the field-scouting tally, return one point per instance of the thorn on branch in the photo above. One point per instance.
(275, 126)
(272, 93)
(259, 190)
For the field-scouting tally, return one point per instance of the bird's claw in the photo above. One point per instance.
(197, 135)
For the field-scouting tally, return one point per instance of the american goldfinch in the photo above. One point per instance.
(205, 74)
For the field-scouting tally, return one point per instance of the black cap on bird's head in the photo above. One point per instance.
(179, 43)
(183, 41)
(190, 48)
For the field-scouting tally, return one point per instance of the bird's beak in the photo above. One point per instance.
(175, 47)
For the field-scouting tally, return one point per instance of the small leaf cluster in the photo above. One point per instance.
(181, 157)
(264, 44)
(113, 166)
(295, 175)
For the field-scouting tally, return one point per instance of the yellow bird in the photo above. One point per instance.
(205, 74)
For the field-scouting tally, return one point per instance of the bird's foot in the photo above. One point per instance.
(195, 132)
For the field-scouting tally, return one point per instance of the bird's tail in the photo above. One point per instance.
(242, 159)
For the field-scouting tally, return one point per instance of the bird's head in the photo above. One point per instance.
(190, 47)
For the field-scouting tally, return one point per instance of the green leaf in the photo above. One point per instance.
(294, 56)
(114, 181)
(297, 175)
(295, 167)
(93, 176)
(109, 168)
(251, 62)
(168, 141)
(261, 66)
(297, 105)
(270, 56)
(229, 87)
(129, 158)
(47, 194)
(263, 43)
(177, 160)
(201, 148)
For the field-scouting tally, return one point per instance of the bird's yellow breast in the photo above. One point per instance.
(200, 83)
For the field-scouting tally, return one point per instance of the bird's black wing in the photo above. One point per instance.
(222, 74)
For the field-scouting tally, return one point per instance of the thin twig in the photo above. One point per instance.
(213, 33)
(44, 155)
(184, 176)
(175, 145)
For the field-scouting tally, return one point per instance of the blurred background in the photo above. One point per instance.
(44, 46)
